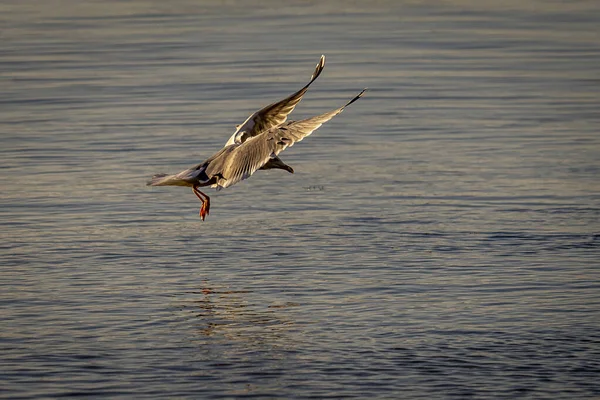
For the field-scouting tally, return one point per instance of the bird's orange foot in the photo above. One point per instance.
(203, 212)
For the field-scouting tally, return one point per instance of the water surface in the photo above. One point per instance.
(439, 239)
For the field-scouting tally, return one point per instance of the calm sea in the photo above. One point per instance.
(440, 239)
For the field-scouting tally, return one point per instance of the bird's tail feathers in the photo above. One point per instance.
(166, 180)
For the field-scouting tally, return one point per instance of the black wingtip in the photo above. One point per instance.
(358, 96)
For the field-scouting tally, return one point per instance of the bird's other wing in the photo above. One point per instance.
(273, 114)
(295, 131)
(240, 161)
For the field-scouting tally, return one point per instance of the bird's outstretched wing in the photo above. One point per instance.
(239, 161)
(273, 114)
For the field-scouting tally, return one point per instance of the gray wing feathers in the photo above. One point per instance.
(240, 160)
(273, 114)
(298, 130)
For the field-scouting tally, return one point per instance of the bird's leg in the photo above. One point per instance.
(201, 196)
(205, 202)
(206, 205)
(201, 199)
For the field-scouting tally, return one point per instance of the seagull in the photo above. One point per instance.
(254, 145)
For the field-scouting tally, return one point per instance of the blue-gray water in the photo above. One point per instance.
(439, 239)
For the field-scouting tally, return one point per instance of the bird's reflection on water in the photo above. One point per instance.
(217, 311)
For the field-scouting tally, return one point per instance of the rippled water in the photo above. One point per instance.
(439, 239)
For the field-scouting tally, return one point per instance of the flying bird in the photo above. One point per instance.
(254, 145)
